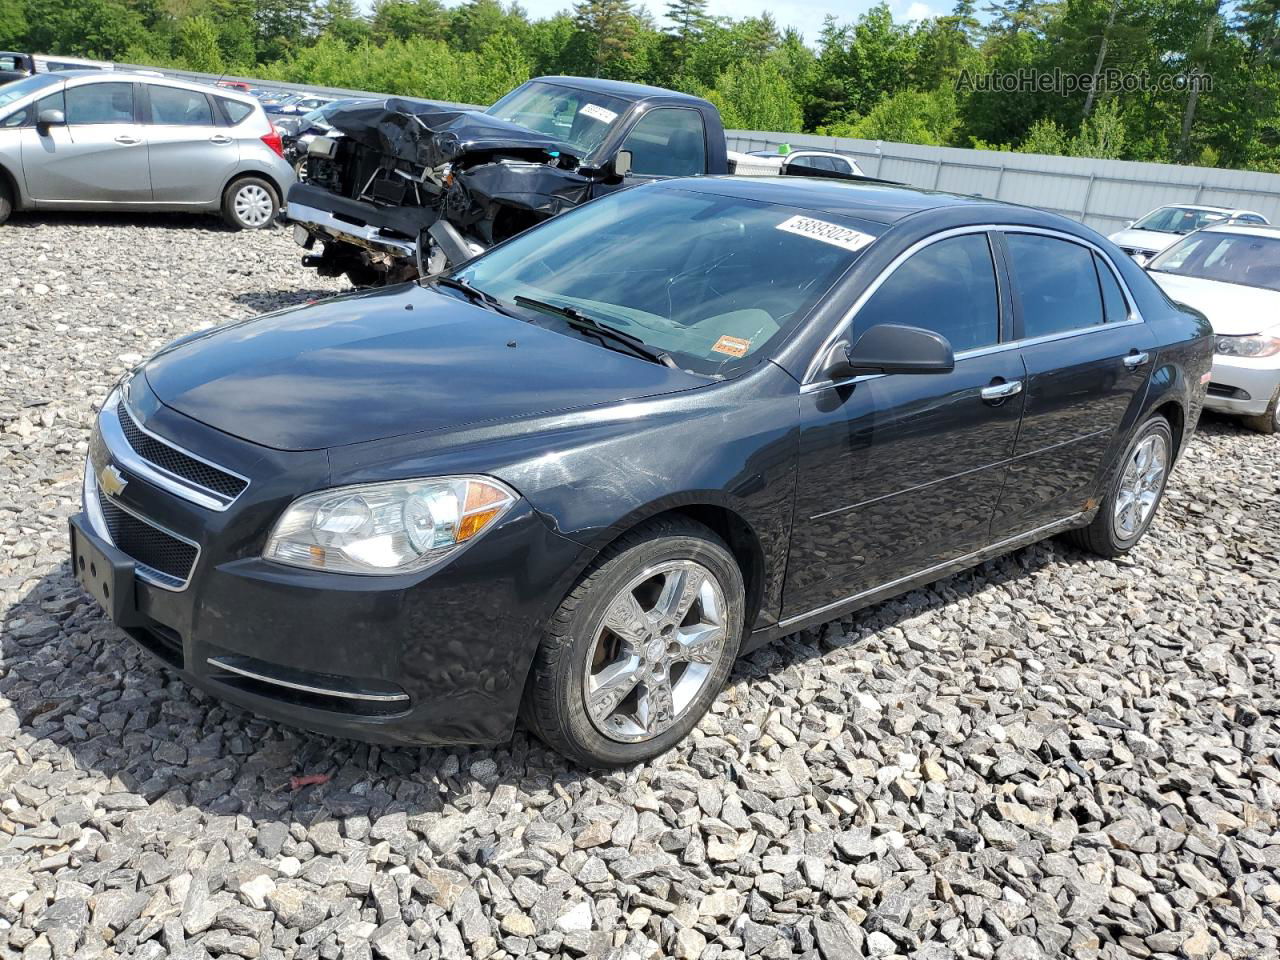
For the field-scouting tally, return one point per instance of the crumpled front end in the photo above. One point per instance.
(391, 171)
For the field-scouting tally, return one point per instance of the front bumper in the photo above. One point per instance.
(1243, 386)
(427, 659)
(380, 229)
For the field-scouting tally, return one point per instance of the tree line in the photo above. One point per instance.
(1178, 81)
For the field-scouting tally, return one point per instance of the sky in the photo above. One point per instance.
(807, 17)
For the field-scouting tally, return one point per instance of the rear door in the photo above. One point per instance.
(1088, 357)
(900, 473)
(98, 156)
(189, 154)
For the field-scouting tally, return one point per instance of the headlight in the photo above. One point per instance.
(1257, 346)
(386, 528)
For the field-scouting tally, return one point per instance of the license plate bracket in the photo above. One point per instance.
(105, 573)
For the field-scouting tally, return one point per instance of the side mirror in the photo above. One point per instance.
(50, 118)
(1129, 223)
(894, 348)
(622, 163)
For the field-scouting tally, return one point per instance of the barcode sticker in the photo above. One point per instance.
(596, 112)
(831, 233)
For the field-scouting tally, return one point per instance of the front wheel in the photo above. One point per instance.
(640, 647)
(6, 201)
(250, 204)
(1134, 491)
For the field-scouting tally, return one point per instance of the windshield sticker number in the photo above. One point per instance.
(598, 113)
(831, 233)
(733, 346)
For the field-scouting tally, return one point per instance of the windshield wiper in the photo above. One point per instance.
(474, 294)
(581, 321)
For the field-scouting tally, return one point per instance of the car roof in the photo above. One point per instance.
(116, 76)
(1248, 229)
(620, 88)
(1202, 206)
(883, 203)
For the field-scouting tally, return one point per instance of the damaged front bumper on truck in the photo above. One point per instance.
(401, 188)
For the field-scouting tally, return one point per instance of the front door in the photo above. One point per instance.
(190, 157)
(664, 142)
(1088, 357)
(903, 472)
(98, 156)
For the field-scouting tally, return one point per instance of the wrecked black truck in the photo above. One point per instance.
(402, 188)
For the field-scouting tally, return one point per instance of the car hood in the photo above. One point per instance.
(1145, 239)
(1233, 309)
(386, 363)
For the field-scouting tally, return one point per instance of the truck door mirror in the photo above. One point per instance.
(622, 163)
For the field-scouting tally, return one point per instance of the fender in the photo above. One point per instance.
(20, 199)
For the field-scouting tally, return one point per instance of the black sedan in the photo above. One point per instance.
(576, 478)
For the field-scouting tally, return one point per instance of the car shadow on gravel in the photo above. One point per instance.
(268, 300)
(78, 684)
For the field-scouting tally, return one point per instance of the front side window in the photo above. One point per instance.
(668, 143)
(710, 279)
(578, 118)
(949, 287)
(1056, 283)
(100, 103)
(171, 106)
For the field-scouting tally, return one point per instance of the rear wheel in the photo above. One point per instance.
(1268, 422)
(1134, 491)
(250, 203)
(640, 647)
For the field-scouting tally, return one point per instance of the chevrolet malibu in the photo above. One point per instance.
(575, 478)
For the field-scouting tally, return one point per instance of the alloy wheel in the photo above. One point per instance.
(654, 650)
(1140, 486)
(253, 205)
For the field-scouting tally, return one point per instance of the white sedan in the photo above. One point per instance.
(1164, 226)
(1231, 274)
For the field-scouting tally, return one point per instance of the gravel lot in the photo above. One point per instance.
(1049, 756)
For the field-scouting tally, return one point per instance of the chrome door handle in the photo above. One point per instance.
(127, 140)
(1134, 360)
(219, 138)
(1002, 391)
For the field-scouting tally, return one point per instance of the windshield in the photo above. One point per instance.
(578, 118)
(1178, 219)
(15, 91)
(1249, 260)
(709, 279)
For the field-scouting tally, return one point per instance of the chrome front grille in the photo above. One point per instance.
(162, 557)
(163, 463)
(174, 461)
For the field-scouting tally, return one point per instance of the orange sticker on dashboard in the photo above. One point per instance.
(733, 346)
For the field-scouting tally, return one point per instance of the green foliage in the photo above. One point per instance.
(754, 95)
(198, 45)
(865, 77)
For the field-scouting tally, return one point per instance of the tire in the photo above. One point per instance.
(250, 203)
(1112, 533)
(1268, 422)
(578, 649)
(6, 200)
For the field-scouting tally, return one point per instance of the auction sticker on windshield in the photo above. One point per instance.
(596, 112)
(831, 233)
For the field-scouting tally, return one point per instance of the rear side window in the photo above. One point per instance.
(668, 143)
(236, 110)
(1056, 284)
(1114, 307)
(949, 287)
(171, 106)
(100, 103)
(813, 163)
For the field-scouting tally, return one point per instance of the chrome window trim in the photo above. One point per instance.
(121, 450)
(809, 384)
(157, 578)
(223, 663)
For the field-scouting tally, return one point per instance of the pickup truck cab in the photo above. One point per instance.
(15, 66)
(403, 188)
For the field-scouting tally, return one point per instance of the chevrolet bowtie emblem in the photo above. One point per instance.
(112, 481)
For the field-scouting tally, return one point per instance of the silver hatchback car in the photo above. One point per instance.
(88, 140)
